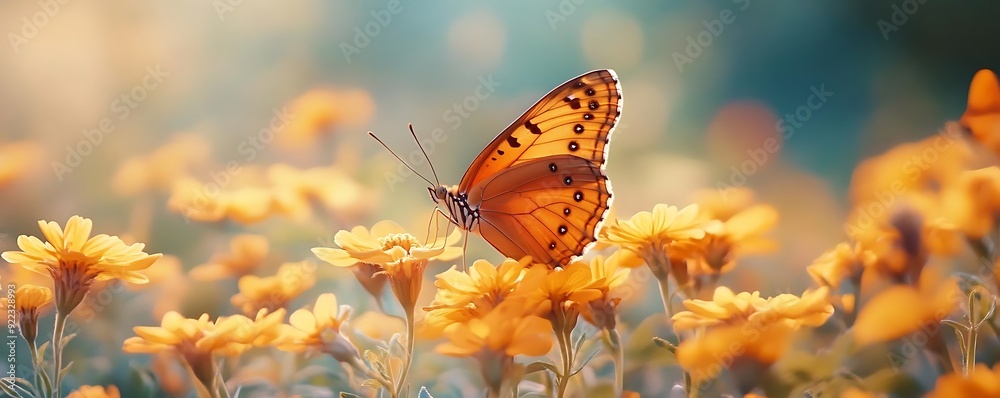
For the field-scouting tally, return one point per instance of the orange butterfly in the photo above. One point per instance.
(539, 188)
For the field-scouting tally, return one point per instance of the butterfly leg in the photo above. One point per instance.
(465, 244)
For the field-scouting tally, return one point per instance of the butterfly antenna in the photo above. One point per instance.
(399, 158)
(410, 125)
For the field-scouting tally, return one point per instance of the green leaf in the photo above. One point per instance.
(65, 370)
(540, 366)
(9, 390)
(46, 383)
(344, 394)
(66, 339)
(585, 362)
(578, 344)
(663, 343)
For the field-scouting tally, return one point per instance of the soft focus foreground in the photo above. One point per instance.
(196, 237)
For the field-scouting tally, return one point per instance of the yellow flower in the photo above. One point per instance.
(837, 264)
(650, 235)
(95, 392)
(559, 294)
(462, 296)
(241, 195)
(386, 242)
(811, 309)
(158, 170)
(196, 342)
(317, 111)
(663, 225)
(274, 292)
(739, 235)
(974, 201)
(29, 302)
(721, 204)
(319, 330)
(505, 331)
(75, 260)
(880, 318)
(981, 382)
(295, 190)
(246, 254)
(17, 159)
(982, 115)
(608, 274)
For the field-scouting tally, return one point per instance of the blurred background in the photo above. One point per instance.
(140, 114)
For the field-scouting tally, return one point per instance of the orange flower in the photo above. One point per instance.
(706, 355)
(744, 328)
(837, 264)
(506, 330)
(739, 235)
(608, 274)
(95, 392)
(246, 254)
(974, 201)
(982, 116)
(75, 260)
(981, 382)
(30, 301)
(559, 294)
(274, 292)
(880, 319)
(463, 296)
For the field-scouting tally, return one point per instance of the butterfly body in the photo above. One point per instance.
(540, 188)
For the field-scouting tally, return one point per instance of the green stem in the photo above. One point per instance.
(410, 326)
(969, 359)
(615, 343)
(567, 363)
(665, 297)
(36, 380)
(692, 390)
(57, 349)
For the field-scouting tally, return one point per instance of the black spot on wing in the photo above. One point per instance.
(572, 101)
(533, 128)
(512, 141)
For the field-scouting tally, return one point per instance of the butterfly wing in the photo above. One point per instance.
(575, 118)
(549, 208)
